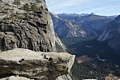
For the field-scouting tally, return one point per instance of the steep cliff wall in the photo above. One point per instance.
(26, 24)
(112, 34)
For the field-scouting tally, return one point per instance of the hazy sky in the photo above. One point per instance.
(101, 7)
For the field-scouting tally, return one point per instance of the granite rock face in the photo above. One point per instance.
(28, 27)
(35, 65)
(112, 34)
(60, 47)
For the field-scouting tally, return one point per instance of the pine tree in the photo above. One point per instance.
(26, 7)
(34, 8)
(17, 2)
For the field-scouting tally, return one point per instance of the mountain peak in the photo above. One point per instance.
(92, 13)
(117, 18)
(53, 14)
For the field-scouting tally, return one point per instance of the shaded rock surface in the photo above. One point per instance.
(35, 65)
(60, 47)
(112, 34)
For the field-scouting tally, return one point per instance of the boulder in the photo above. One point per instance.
(35, 65)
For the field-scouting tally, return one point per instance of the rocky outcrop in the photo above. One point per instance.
(35, 65)
(60, 47)
(112, 34)
(26, 25)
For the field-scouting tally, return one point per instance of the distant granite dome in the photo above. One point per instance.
(112, 34)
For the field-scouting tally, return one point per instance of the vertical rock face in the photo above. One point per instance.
(26, 24)
(112, 34)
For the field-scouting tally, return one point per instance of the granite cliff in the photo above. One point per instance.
(111, 35)
(26, 26)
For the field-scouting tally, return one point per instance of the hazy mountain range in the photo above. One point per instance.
(95, 36)
(104, 28)
(75, 25)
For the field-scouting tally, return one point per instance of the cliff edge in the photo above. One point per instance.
(35, 65)
(25, 27)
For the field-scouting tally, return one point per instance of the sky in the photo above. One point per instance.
(100, 7)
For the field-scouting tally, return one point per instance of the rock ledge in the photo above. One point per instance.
(35, 65)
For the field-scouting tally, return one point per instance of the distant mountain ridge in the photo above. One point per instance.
(107, 28)
(67, 28)
(88, 19)
(79, 25)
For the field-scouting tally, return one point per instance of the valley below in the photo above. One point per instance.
(94, 39)
(93, 59)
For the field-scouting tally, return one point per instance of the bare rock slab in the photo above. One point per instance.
(35, 65)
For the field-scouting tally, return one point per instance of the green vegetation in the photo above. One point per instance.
(17, 2)
(94, 69)
(37, 1)
(71, 41)
(26, 7)
(71, 44)
(7, 4)
(34, 8)
(8, 9)
(31, 7)
(91, 47)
